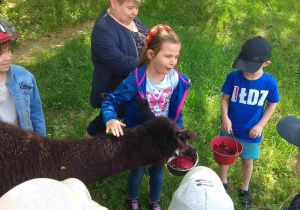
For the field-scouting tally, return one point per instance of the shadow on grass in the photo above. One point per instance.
(64, 77)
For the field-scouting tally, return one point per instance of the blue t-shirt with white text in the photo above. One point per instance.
(247, 101)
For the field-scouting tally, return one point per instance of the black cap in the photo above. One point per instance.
(254, 53)
(289, 129)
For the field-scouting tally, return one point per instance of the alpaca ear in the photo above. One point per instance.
(144, 110)
(186, 135)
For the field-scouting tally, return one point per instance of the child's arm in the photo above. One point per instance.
(126, 91)
(36, 111)
(226, 122)
(256, 130)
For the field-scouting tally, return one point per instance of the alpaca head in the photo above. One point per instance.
(168, 135)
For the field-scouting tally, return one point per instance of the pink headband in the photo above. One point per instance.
(154, 30)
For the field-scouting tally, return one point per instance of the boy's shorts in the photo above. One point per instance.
(250, 150)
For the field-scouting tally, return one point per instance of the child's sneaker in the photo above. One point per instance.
(155, 205)
(225, 186)
(246, 199)
(132, 204)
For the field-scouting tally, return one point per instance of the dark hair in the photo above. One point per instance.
(5, 45)
(156, 43)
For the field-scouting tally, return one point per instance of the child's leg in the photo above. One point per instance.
(223, 173)
(247, 170)
(133, 181)
(156, 182)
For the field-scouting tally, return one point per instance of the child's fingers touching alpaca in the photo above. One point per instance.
(115, 126)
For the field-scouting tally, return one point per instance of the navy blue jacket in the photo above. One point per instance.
(134, 88)
(114, 55)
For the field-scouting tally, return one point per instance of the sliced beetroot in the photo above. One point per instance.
(182, 162)
(222, 149)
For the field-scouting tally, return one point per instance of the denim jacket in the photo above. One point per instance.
(23, 88)
(134, 88)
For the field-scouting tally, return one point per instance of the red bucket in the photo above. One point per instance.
(229, 143)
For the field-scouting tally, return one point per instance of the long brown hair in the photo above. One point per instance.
(156, 43)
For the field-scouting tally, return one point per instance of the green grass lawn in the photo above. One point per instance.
(212, 33)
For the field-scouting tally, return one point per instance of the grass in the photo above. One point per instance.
(212, 33)
(39, 17)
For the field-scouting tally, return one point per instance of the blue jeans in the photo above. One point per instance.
(156, 174)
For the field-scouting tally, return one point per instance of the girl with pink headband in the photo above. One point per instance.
(165, 89)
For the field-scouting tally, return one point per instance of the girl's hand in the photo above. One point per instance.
(255, 131)
(115, 126)
(226, 125)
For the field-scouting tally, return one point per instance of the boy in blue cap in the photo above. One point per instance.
(244, 113)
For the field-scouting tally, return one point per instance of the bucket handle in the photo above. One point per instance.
(237, 148)
(194, 149)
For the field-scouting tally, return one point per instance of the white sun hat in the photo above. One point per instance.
(201, 188)
(49, 194)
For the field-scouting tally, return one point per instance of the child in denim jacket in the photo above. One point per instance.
(20, 102)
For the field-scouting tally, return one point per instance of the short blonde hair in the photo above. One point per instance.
(138, 2)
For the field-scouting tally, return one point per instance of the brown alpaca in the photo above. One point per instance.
(25, 155)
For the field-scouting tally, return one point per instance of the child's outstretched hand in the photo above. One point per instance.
(226, 125)
(115, 126)
(255, 131)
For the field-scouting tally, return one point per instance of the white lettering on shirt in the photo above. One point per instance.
(254, 96)
(242, 96)
(264, 96)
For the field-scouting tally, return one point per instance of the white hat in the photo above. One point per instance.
(49, 194)
(201, 188)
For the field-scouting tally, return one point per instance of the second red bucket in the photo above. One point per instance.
(228, 143)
